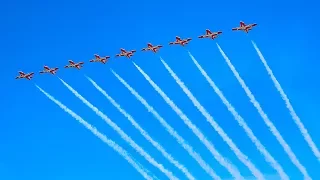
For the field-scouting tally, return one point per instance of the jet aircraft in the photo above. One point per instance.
(150, 47)
(125, 53)
(210, 34)
(100, 59)
(180, 41)
(28, 76)
(46, 69)
(74, 65)
(244, 27)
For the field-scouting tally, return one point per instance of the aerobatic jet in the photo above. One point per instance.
(125, 53)
(46, 69)
(180, 41)
(244, 27)
(210, 34)
(74, 65)
(28, 76)
(100, 59)
(150, 47)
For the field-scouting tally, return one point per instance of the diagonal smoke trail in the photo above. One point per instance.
(143, 132)
(293, 114)
(101, 136)
(265, 118)
(242, 123)
(122, 133)
(242, 157)
(170, 129)
(233, 170)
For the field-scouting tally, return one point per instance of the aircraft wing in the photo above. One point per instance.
(178, 38)
(251, 25)
(46, 68)
(97, 56)
(21, 73)
(123, 50)
(236, 28)
(30, 74)
(71, 62)
(208, 31)
(150, 45)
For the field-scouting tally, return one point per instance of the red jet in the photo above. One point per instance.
(244, 27)
(210, 34)
(74, 65)
(125, 53)
(180, 41)
(152, 48)
(100, 59)
(46, 69)
(28, 76)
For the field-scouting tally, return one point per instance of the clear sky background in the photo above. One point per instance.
(39, 141)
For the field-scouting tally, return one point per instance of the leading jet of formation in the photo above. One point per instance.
(46, 69)
(25, 75)
(244, 27)
(150, 47)
(125, 53)
(210, 34)
(180, 41)
(74, 65)
(100, 59)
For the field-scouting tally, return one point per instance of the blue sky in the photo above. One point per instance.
(40, 141)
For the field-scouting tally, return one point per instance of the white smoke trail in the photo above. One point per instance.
(242, 157)
(101, 136)
(143, 132)
(170, 129)
(293, 114)
(265, 118)
(233, 170)
(242, 123)
(122, 133)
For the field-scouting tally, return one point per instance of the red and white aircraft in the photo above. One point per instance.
(100, 59)
(152, 48)
(244, 27)
(180, 41)
(125, 53)
(46, 69)
(74, 65)
(210, 34)
(28, 76)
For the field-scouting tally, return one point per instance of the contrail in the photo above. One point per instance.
(101, 136)
(265, 118)
(143, 132)
(122, 133)
(242, 123)
(233, 170)
(170, 129)
(293, 114)
(242, 157)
